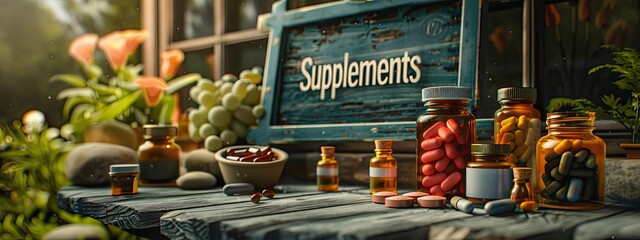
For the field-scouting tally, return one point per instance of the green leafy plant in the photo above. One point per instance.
(627, 65)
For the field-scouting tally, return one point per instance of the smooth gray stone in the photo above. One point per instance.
(88, 164)
(197, 180)
(76, 231)
(202, 160)
(114, 132)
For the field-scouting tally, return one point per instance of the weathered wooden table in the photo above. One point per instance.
(301, 212)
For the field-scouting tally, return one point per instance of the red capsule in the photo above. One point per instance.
(433, 180)
(450, 182)
(428, 169)
(433, 130)
(446, 134)
(432, 155)
(431, 143)
(442, 164)
(451, 149)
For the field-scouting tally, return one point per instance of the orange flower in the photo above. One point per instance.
(552, 17)
(82, 47)
(499, 38)
(584, 10)
(171, 60)
(153, 88)
(602, 18)
(617, 33)
(119, 45)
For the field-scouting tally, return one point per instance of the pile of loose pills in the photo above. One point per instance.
(251, 154)
(407, 200)
(443, 157)
(233, 189)
(570, 172)
(521, 134)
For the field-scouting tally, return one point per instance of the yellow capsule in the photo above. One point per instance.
(512, 120)
(507, 128)
(563, 146)
(528, 206)
(512, 146)
(576, 145)
(507, 137)
(522, 122)
(497, 138)
(518, 137)
(520, 150)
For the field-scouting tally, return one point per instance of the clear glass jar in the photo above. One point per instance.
(159, 156)
(517, 123)
(522, 190)
(444, 136)
(383, 169)
(570, 163)
(327, 171)
(489, 174)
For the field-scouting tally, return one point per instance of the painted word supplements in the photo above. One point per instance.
(332, 76)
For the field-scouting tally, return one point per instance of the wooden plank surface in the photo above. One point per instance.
(625, 225)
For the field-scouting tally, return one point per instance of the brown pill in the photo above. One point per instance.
(398, 202)
(248, 158)
(255, 198)
(268, 193)
(415, 195)
(432, 201)
(263, 158)
(380, 196)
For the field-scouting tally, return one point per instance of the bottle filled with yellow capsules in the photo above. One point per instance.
(517, 123)
(327, 170)
(383, 169)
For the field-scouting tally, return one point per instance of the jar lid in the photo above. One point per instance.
(517, 93)
(490, 148)
(522, 173)
(149, 130)
(446, 92)
(383, 144)
(124, 168)
(327, 150)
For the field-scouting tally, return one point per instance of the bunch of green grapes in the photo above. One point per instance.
(228, 107)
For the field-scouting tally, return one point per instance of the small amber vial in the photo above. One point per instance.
(159, 156)
(489, 174)
(327, 170)
(522, 190)
(124, 179)
(383, 169)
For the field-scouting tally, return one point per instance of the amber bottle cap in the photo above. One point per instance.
(522, 173)
(149, 130)
(327, 151)
(383, 144)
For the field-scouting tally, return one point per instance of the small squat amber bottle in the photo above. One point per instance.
(327, 170)
(124, 179)
(522, 190)
(383, 169)
(159, 156)
(489, 174)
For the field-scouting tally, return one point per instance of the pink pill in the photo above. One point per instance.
(431, 143)
(432, 155)
(436, 190)
(454, 126)
(442, 164)
(433, 180)
(428, 169)
(450, 182)
(446, 134)
(432, 131)
(451, 149)
(459, 162)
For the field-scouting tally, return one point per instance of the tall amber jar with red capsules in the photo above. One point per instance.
(444, 137)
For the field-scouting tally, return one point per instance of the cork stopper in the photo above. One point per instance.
(327, 151)
(383, 144)
(522, 173)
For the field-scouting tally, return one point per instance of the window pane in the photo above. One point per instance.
(241, 15)
(245, 55)
(192, 19)
(200, 61)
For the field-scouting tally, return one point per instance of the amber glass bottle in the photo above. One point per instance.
(444, 136)
(124, 179)
(517, 123)
(489, 174)
(522, 190)
(570, 163)
(383, 169)
(327, 170)
(159, 156)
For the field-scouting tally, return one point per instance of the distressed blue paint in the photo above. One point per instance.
(368, 31)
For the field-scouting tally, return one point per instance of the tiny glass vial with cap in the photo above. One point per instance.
(444, 136)
(124, 179)
(489, 174)
(522, 190)
(570, 163)
(383, 168)
(327, 170)
(159, 156)
(517, 123)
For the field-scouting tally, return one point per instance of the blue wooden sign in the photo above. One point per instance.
(355, 70)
